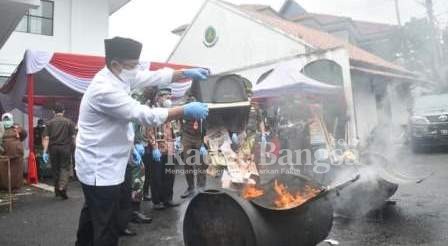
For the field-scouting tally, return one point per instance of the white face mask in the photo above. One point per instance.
(128, 75)
(167, 103)
(8, 123)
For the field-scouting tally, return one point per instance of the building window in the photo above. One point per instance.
(38, 21)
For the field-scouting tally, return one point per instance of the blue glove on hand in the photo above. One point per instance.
(45, 157)
(196, 110)
(235, 139)
(203, 151)
(136, 157)
(178, 144)
(156, 155)
(196, 73)
(140, 149)
(263, 139)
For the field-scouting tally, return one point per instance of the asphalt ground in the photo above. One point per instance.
(420, 216)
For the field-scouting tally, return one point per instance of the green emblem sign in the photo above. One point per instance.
(210, 37)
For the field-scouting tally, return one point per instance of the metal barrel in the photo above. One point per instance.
(222, 218)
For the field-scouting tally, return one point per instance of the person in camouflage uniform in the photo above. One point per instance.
(135, 169)
(133, 189)
(136, 166)
(148, 97)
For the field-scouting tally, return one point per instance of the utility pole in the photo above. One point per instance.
(434, 37)
(397, 11)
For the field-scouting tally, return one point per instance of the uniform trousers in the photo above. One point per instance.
(61, 165)
(162, 180)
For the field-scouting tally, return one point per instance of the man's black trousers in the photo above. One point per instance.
(98, 222)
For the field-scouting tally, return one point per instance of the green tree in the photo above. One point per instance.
(415, 46)
(417, 52)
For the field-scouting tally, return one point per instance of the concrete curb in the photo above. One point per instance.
(44, 187)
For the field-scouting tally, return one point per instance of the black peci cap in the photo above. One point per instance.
(122, 48)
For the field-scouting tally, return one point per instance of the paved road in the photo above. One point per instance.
(419, 218)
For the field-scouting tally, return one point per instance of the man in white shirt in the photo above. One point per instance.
(105, 136)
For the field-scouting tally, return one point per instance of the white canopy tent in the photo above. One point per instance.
(286, 79)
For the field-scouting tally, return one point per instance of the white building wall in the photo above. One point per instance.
(365, 105)
(244, 42)
(400, 102)
(241, 41)
(89, 26)
(80, 26)
(367, 113)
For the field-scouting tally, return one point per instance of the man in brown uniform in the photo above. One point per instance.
(58, 138)
(193, 132)
(161, 144)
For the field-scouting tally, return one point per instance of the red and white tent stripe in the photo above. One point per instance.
(44, 76)
(62, 75)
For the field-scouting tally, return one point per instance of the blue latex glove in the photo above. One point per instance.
(263, 139)
(140, 149)
(136, 157)
(235, 139)
(45, 157)
(196, 73)
(178, 144)
(156, 155)
(203, 151)
(196, 110)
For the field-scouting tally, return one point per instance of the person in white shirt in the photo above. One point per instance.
(105, 136)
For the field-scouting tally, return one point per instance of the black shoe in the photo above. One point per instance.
(128, 232)
(159, 206)
(56, 193)
(63, 194)
(188, 193)
(147, 198)
(140, 218)
(171, 204)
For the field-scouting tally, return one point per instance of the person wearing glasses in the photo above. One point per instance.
(105, 134)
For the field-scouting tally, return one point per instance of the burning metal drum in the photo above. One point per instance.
(222, 218)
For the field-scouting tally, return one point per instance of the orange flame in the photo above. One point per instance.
(285, 199)
(251, 192)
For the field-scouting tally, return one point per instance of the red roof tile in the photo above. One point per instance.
(364, 27)
(321, 18)
(255, 7)
(321, 40)
(265, 9)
